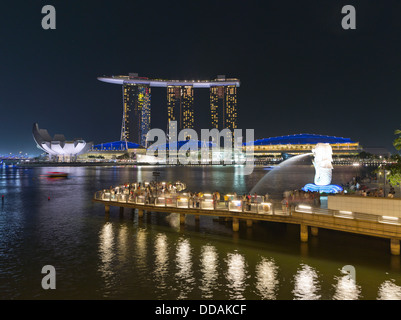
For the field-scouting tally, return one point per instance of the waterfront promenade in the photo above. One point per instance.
(232, 208)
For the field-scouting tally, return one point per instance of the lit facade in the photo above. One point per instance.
(57, 147)
(112, 150)
(180, 107)
(136, 113)
(303, 143)
(223, 107)
(180, 103)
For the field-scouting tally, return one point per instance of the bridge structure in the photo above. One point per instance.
(309, 218)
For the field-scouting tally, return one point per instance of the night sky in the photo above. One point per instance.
(300, 72)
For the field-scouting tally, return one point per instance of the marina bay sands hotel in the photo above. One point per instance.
(180, 103)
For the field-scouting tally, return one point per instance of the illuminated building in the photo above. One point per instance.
(180, 107)
(223, 106)
(58, 147)
(113, 150)
(136, 113)
(302, 143)
(180, 103)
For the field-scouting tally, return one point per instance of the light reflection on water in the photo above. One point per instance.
(209, 269)
(141, 249)
(159, 259)
(389, 291)
(123, 243)
(184, 275)
(161, 267)
(306, 285)
(236, 275)
(346, 288)
(267, 279)
(106, 251)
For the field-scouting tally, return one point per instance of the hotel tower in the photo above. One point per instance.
(180, 103)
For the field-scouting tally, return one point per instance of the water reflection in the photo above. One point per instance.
(306, 284)
(209, 265)
(184, 275)
(346, 288)
(236, 275)
(161, 260)
(106, 244)
(173, 220)
(266, 279)
(122, 243)
(239, 178)
(389, 291)
(141, 249)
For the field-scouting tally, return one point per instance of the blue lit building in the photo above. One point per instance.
(113, 150)
(302, 143)
(116, 146)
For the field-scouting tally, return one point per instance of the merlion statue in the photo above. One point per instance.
(322, 162)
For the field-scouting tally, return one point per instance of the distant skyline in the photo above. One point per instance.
(300, 72)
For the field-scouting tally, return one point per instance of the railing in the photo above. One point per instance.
(184, 201)
(258, 207)
(348, 214)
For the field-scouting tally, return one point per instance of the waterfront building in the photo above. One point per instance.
(113, 150)
(180, 108)
(136, 113)
(277, 147)
(180, 103)
(58, 147)
(223, 106)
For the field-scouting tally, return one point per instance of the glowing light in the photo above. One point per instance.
(106, 244)
(236, 275)
(266, 279)
(346, 289)
(161, 260)
(209, 265)
(390, 218)
(389, 291)
(184, 265)
(323, 167)
(306, 284)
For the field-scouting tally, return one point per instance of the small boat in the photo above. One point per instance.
(57, 175)
(268, 167)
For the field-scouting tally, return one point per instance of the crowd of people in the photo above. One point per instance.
(151, 190)
(296, 197)
(360, 187)
(147, 189)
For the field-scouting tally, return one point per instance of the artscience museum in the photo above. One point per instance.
(58, 147)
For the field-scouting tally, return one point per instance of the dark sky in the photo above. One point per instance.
(300, 71)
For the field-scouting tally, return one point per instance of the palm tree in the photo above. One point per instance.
(397, 141)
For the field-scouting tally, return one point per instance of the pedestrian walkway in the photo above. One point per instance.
(173, 197)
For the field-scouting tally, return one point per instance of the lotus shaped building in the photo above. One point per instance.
(58, 147)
